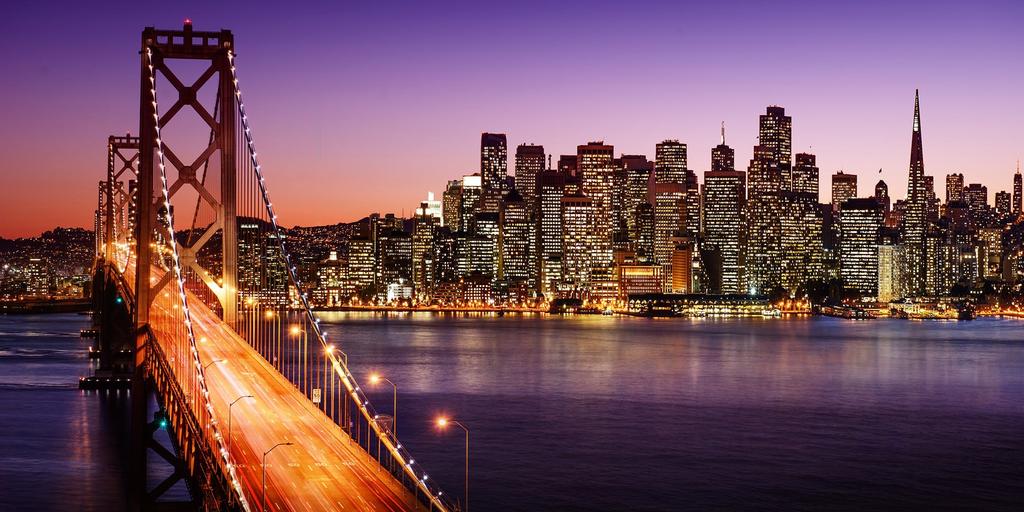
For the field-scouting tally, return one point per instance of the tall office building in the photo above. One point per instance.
(549, 238)
(1017, 191)
(1002, 203)
(595, 167)
(577, 223)
(859, 223)
(954, 187)
(637, 191)
(775, 134)
(669, 223)
(670, 162)
(530, 162)
(805, 175)
(451, 205)
(493, 162)
(844, 188)
(882, 196)
(723, 158)
(890, 265)
(567, 164)
(470, 194)
(423, 250)
(916, 211)
(764, 209)
(976, 196)
(516, 240)
(724, 230)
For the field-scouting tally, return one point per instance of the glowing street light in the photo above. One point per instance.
(264, 479)
(376, 378)
(443, 422)
(232, 404)
(211, 363)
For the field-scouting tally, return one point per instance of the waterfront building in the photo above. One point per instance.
(669, 222)
(516, 239)
(577, 223)
(595, 167)
(634, 279)
(917, 211)
(860, 221)
(423, 250)
(764, 209)
(395, 260)
(724, 230)
(891, 285)
(844, 188)
(549, 237)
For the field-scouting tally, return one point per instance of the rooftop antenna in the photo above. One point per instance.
(723, 133)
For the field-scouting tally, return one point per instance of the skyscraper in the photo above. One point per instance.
(529, 164)
(882, 196)
(493, 161)
(516, 241)
(551, 190)
(724, 230)
(595, 167)
(577, 226)
(638, 175)
(470, 193)
(844, 187)
(1017, 191)
(805, 175)
(764, 209)
(915, 216)
(1002, 203)
(451, 205)
(859, 223)
(670, 162)
(723, 158)
(775, 134)
(954, 187)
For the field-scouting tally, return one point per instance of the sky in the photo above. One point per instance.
(362, 107)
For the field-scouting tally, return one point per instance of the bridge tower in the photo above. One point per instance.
(219, 156)
(182, 50)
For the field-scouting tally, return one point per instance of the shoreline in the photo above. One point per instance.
(46, 307)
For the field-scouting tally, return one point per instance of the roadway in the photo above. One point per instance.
(324, 470)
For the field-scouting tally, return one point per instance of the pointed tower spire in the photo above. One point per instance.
(917, 111)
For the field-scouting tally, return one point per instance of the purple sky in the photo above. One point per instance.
(365, 106)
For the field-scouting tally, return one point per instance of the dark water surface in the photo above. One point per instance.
(602, 413)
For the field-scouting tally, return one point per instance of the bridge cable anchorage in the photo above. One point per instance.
(169, 218)
(338, 364)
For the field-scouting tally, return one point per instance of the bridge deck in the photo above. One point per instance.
(324, 470)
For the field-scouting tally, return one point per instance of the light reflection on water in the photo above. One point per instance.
(607, 413)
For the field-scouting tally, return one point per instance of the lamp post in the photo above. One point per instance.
(264, 479)
(443, 422)
(232, 404)
(211, 363)
(375, 379)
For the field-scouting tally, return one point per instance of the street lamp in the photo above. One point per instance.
(443, 422)
(232, 404)
(211, 363)
(375, 379)
(264, 479)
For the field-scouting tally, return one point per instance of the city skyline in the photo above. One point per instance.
(643, 91)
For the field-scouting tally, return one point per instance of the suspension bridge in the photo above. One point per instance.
(199, 303)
